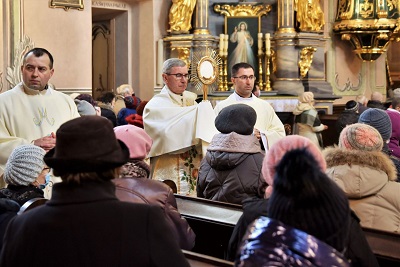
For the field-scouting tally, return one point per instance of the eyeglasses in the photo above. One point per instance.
(179, 75)
(244, 77)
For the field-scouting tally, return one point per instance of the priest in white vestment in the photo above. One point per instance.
(180, 129)
(268, 126)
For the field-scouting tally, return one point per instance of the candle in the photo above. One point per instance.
(260, 36)
(221, 44)
(226, 37)
(160, 61)
(268, 44)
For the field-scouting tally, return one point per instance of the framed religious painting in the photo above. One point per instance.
(242, 41)
(242, 38)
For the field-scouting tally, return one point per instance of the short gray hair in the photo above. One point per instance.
(172, 62)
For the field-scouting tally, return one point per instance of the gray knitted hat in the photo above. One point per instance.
(84, 108)
(24, 165)
(378, 119)
(238, 118)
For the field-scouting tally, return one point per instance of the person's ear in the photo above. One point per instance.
(164, 76)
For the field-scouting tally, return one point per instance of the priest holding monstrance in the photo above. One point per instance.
(180, 128)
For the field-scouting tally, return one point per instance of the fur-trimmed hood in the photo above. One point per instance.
(335, 156)
(359, 173)
(234, 142)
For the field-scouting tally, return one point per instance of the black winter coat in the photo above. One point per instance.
(86, 225)
(358, 250)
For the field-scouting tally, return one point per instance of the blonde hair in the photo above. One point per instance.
(124, 88)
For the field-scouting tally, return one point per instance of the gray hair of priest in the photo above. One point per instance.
(172, 62)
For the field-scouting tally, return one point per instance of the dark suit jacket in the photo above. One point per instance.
(87, 225)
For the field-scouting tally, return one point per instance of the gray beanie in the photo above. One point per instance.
(238, 118)
(24, 165)
(378, 119)
(84, 107)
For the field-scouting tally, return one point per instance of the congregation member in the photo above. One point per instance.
(137, 119)
(367, 176)
(358, 250)
(268, 123)
(26, 176)
(256, 90)
(180, 128)
(84, 108)
(308, 221)
(106, 104)
(131, 104)
(84, 224)
(122, 91)
(135, 186)
(231, 169)
(362, 103)
(380, 120)
(8, 210)
(33, 110)
(88, 98)
(394, 115)
(307, 120)
(348, 116)
(376, 101)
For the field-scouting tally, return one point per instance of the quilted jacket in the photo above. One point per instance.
(231, 170)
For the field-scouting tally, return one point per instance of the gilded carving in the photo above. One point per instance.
(345, 9)
(183, 54)
(67, 4)
(306, 57)
(242, 10)
(309, 15)
(366, 9)
(392, 4)
(14, 72)
(274, 60)
(180, 16)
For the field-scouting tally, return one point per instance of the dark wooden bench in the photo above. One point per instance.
(201, 260)
(213, 223)
(385, 245)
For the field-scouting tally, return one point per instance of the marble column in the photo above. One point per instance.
(287, 80)
(201, 15)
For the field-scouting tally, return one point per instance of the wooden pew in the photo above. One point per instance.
(385, 245)
(212, 222)
(201, 260)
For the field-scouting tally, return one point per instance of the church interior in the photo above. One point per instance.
(336, 49)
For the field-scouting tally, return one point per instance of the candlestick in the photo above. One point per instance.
(226, 37)
(221, 44)
(268, 44)
(260, 36)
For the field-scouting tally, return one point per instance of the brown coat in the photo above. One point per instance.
(142, 190)
(368, 179)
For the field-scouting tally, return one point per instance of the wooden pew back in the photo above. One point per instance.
(213, 223)
(385, 245)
